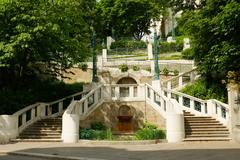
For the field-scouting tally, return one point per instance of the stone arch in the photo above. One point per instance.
(124, 110)
(128, 75)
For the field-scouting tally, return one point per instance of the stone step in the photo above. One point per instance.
(41, 131)
(40, 137)
(202, 124)
(198, 118)
(207, 139)
(207, 132)
(39, 134)
(207, 129)
(205, 126)
(35, 140)
(206, 135)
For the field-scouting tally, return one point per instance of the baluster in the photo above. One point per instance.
(169, 85)
(117, 92)
(152, 95)
(32, 113)
(96, 96)
(203, 108)
(24, 118)
(219, 111)
(85, 106)
(180, 100)
(131, 90)
(192, 104)
(60, 107)
(180, 81)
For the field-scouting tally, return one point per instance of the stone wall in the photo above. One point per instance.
(107, 113)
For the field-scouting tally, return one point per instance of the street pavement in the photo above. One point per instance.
(88, 151)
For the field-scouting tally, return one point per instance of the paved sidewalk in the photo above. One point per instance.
(161, 151)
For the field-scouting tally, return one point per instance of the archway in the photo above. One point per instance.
(127, 80)
(125, 119)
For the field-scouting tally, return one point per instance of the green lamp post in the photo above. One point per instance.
(173, 24)
(94, 70)
(156, 67)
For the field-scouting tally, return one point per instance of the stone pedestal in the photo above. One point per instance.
(109, 41)
(156, 84)
(234, 113)
(150, 51)
(70, 128)
(104, 55)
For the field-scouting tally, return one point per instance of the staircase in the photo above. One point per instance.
(204, 129)
(46, 130)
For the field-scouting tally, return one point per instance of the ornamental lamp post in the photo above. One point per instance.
(94, 70)
(156, 43)
(156, 80)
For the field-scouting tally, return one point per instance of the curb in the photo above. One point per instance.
(49, 156)
(136, 142)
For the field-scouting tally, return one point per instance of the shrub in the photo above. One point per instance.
(123, 67)
(150, 131)
(166, 47)
(98, 126)
(83, 66)
(202, 90)
(188, 53)
(148, 69)
(165, 71)
(130, 44)
(136, 68)
(92, 134)
(176, 72)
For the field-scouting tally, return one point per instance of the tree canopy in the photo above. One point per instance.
(216, 41)
(43, 36)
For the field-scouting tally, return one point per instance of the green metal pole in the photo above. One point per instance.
(156, 67)
(173, 29)
(94, 71)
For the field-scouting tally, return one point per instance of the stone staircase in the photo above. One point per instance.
(204, 129)
(46, 130)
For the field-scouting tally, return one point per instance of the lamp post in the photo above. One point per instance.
(156, 67)
(173, 23)
(94, 70)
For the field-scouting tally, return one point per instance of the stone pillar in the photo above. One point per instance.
(109, 42)
(104, 56)
(8, 128)
(70, 128)
(150, 51)
(234, 112)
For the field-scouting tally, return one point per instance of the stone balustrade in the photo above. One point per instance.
(12, 125)
(181, 80)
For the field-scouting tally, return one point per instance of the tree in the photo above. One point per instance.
(43, 36)
(125, 17)
(216, 43)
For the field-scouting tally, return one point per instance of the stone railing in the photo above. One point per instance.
(212, 107)
(181, 80)
(125, 92)
(12, 125)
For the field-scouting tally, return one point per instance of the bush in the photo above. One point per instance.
(150, 131)
(165, 71)
(123, 67)
(166, 47)
(148, 69)
(98, 126)
(176, 72)
(20, 95)
(202, 90)
(188, 53)
(136, 68)
(130, 44)
(83, 66)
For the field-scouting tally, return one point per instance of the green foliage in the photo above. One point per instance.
(150, 131)
(130, 44)
(20, 95)
(83, 66)
(203, 90)
(136, 68)
(41, 33)
(148, 69)
(214, 29)
(188, 53)
(165, 71)
(123, 67)
(176, 72)
(98, 126)
(166, 47)
(124, 17)
(98, 131)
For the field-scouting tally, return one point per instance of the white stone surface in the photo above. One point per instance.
(150, 51)
(70, 128)
(109, 41)
(8, 128)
